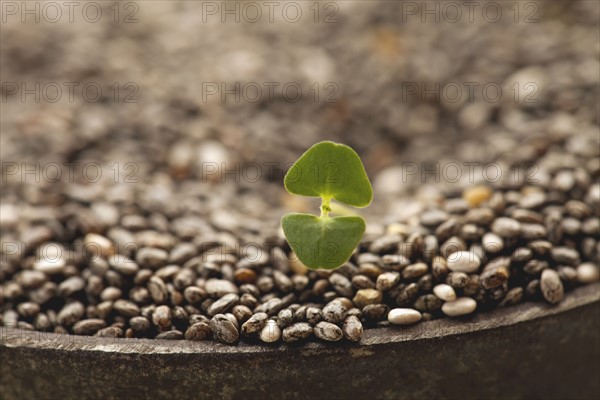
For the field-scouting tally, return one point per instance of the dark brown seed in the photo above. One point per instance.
(296, 332)
(110, 332)
(551, 286)
(126, 308)
(198, 331)
(139, 324)
(88, 326)
(224, 330)
(223, 304)
(241, 313)
(493, 277)
(161, 318)
(170, 335)
(457, 280)
(255, 323)
(158, 290)
(375, 312)
(512, 297)
(428, 303)
(407, 295)
(282, 281)
(341, 284)
(28, 309)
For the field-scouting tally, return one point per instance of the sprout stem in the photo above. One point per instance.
(325, 207)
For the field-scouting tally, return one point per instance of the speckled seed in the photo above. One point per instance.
(444, 292)
(334, 312)
(328, 331)
(198, 331)
(463, 261)
(223, 329)
(271, 307)
(271, 332)
(296, 332)
(460, 306)
(365, 297)
(255, 323)
(493, 277)
(404, 316)
(341, 284)
(588, 273)
(282, 281)
(70, 313)
(161, 318)
(428, 303)
(352, 329)
(150, 257)
(241, 312)
(285, 317)
(158, 290)
(70, 286)
(387, 280)
(551, 286)
(220, 287)
(414, 271)
(223, 304)
(194, 294)
(88, 326)
(457, 280)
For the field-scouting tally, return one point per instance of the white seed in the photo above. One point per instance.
(588, 273)
(460, 306)
(50, 266)
(492, 243)
(463, 261)
(98, 246)
(444, 292)
(551, 286)
(404, 316)
(271, 332)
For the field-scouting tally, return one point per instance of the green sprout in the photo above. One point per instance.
(330, 171)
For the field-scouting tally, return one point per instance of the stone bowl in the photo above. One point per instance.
(532, 350)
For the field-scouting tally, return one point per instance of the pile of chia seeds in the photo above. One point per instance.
(122, 268)
(160, 218)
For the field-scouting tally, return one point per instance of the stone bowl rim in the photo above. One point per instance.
(588, 295)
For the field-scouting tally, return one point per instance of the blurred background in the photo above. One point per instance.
(196, 108)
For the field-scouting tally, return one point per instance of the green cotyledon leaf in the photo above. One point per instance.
(322, 242)
(332, 171)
